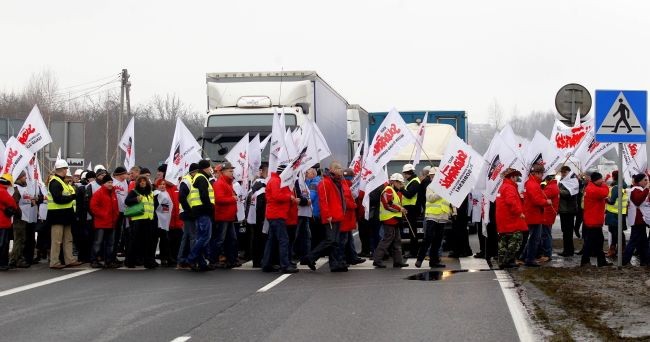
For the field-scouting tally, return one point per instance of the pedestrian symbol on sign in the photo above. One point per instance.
(621, 115)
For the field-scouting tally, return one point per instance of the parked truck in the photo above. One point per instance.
(244, 102)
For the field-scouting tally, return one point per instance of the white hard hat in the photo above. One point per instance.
(408, 167)
(78, 172)
(397, 177)
(99, 167)
(433, 170)
(60, 163)
(68, 174)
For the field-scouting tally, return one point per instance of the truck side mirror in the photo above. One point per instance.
(304, 106)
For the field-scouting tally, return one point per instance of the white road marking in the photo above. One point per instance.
(472, 263)
(517, 310)
(45, 282)
(273, 283)
(248, 266)
(181, 339)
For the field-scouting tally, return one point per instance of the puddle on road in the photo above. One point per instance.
(439, 275)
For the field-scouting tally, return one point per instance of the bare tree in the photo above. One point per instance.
(495, 115)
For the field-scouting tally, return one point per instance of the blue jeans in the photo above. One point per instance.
(302, 245)
(187, 241)
(104, 240)
(547, 241)
(203, 233)
(224, 243)
(277, 232)
(534, 241)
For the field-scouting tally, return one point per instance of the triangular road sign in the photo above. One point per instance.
(620, 119)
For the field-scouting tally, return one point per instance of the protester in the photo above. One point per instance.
(409, 201)
(638, 218)
(105, 210)
(534, 203)
(256, 217)
(510, 219)
(225, 215)
(567, 209)
(595, 196)
(8, 208)
(302, 244)
(143, 230)
(390, 215)
(312, 179)
(24, 216)
(121, 188)
(437, 213)
(611, 213)
(349, 222)
(551, 192)
(278, 199)
(60, 201)
(201, 200)
(188, 218)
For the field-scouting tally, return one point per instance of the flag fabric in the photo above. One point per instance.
(590, 150)
(323, 148)
(420, 139)
(264, 142)
(566, 139)
(34, 134)
(458, 172)
(90, 166)
(184, 151)
(2, 152)
(277, 150)
(58, 154)
(390, 138)
(254, 154)
(306, 156)
(127, 145)
(15, 158)
(498, 158)
(238, 157)
(635, 160)
(571, 183)
(539, 151)
(357, 167)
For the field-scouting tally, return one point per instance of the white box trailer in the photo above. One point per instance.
(241, 102)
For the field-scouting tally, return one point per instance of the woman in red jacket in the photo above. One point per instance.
(8, 208)
(510, 219)
(350, 221)
(596, 194)
(103, 206)
(552, 192)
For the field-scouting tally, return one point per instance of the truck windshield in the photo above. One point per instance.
(239, 120)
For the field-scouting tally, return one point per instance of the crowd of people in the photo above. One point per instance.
(131, 218)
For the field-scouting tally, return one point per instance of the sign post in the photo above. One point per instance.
(621, 117)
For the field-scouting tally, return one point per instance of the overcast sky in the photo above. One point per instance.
(446, 55)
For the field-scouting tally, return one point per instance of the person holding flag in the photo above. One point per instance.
(201, 200)
(8, 208)
(595, 198)
(510, 219)
(390, 215)
(409, 202)
(534, 203)
(437, 212)
(225, 215)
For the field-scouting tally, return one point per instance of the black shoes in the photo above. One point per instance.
(339, 269)
(566, 255)
(96, 265)
(418, 263)
(357, 261)
(400, 265)
(308, 263)
(289, 270)
(378, 264)
(532, 264)
(480, 255)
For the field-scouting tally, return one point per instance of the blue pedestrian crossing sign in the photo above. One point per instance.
(621, 116)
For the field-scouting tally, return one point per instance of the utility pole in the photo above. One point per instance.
(120, 118)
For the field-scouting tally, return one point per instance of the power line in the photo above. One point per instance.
(97, 91)
(116, 76)
(78, 91)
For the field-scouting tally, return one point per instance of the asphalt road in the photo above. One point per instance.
(363, 304)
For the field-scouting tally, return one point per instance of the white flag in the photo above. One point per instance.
(539, 151)
(590, 150)
(571, 183)
(390, 138)
(306, 157)
(289, 143)
(238, 157)
(277, 151)
(264, 142)
(2, 152)
(458, 172)
(635, 160)
(566, 139)
(90, 166)
(420, 139)
(498, 157)
(34, 134)
(184, 151)
(321, 144)
(254, 154)
(58, 154)
(127, 145)
(16, 158)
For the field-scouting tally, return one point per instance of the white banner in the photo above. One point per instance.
(15, 158)
(635, 160)
(127, 145)
(277, 150)
(540, 151)
(238, 157)
(571, 183)
(476, 205)
(390, 138)
(34, 134)
(420, 139)
(254, 153)
(566, 139)
(458, 172)
(2, 153)
(184, 151)
(498, 158)
(590, 150)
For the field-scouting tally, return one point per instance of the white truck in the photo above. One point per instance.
(244, 102)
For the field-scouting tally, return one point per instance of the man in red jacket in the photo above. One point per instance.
(224, 239)
(552, 192)
(332, 210)
(8, 208)
(596, 194)
(278, 199)
(510, 219)
(534, 203)
(105, 211)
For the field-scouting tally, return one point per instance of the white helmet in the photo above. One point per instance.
(397, 177)
(68, 174)
(78, 172)
(60, 164)
(99, 167)
(408, 167)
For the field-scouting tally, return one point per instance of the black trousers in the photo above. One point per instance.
(567, 223)
(175, 237)
(365, 235)
(5, 236)
(432, 240)
(141, 243)
(412, 215)
(259, 241)
(330, 246)
(30, 242)
(491, 241)
(593, 245)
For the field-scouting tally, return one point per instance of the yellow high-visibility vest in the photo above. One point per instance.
(412, 200)
(187, 178)
(147, 200)
(613, 208)
(68, 190)
(194, 198)
(438, 207)
(384, 214)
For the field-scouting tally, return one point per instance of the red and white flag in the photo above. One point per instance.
(127, 145)
(15, 158)
(498, 157)
(2, 152)
(184, 151)
(420, 139)
(566, 139)
(390, 138)
(458, 173)
(34, 134)
(539, 151)
(635, 160)
(589, 150)
(238, 157)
